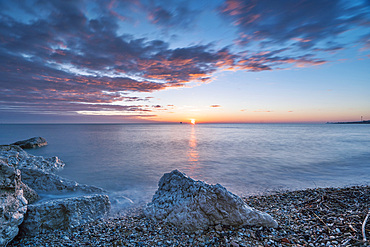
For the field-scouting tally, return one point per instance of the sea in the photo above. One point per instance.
(248, 159)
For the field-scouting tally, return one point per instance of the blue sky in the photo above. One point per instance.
(170, 61)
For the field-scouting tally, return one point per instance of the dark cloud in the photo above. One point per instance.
(162, 13)
(65, 58)
(268, 61)
(303, 24)
(179, 15)
(58, 56)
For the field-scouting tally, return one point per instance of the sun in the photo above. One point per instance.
(192, 121)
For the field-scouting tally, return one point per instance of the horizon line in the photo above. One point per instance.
(186, 123)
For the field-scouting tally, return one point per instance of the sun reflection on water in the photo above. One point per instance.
(193, 154)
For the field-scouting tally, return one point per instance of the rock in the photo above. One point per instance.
(48, 182)
(64, 213)
(194, 205)
(218, 228)
(19, 158)
(37, 172)
(28, 193)
(34, 142)
(13, 205)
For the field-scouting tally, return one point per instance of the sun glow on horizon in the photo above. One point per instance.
(192, 121)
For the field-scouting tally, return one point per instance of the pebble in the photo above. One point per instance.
(218, 228)
(300, 215)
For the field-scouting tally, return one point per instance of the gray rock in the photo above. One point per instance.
(37, 172)
(13, 205)
(37, 175)
(194, 205)
(34, 142)
(64, 213)
(48, 182)
(19, 158)
(28, 193)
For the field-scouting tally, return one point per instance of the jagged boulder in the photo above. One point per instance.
(64, 213)
(13, 205)
(194, 205)
(34, 142)
(20, 159)
(37, 172)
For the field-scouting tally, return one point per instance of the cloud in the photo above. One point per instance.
(266, 111)
(73, 56)
(215, 106)
(365, 40)
(302, 25)
(66, 58)
(169, 14)
(269, 60)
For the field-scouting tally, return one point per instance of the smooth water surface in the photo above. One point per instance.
(129, 159)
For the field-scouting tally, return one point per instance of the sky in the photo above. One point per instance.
(215, 61)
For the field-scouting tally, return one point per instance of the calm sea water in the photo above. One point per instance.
(129, 159)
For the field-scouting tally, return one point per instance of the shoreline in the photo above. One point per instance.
(310, 217)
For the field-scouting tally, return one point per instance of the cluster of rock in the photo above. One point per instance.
(23, 175)
(194, 205)
(188, 204)
(13, 205)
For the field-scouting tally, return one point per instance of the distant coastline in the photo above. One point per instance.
(356, 122)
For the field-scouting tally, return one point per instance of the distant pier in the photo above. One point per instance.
(356, 122)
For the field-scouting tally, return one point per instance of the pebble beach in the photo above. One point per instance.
(311, 217)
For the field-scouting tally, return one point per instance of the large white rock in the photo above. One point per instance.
(64, 213)
(194, 205)
(13, 205)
